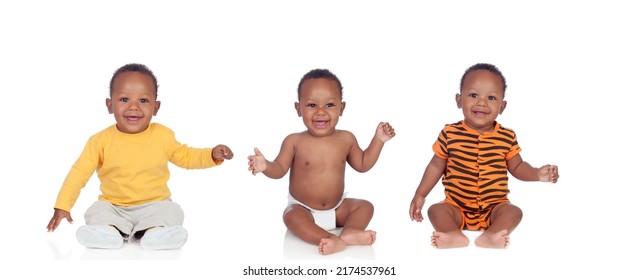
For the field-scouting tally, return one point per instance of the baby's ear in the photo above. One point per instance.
(458, 100)
(297, 108)
(108, 104)
(157, 107)
(503, 106)
(341, 111)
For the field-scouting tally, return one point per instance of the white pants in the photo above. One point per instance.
(132, 219)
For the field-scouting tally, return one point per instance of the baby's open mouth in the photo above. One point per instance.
(320, 123)
(132, 118)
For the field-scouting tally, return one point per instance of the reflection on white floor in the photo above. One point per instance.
(127, 252)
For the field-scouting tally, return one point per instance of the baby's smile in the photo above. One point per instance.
(132, 118)
(320, 124)
(480, 113)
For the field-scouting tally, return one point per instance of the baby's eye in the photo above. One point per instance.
(124, 99)
(311, 105)
(144, 100)
(473, 95)
(492, 98)
(329, 105)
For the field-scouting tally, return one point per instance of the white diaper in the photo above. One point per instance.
(325, 219)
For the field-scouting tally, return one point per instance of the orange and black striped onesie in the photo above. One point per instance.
(476, 175)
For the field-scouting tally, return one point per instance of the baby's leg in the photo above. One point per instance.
(504, 219)
(447, 221)
(301, 223)
(354, 215)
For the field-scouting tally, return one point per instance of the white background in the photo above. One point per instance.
(228, 73)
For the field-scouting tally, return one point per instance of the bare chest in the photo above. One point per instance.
(321, 154)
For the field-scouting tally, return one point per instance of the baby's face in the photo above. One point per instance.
(320, 106)
(481, 99)
(133, 102)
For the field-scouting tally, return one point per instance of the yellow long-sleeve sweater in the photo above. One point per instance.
(132, 168)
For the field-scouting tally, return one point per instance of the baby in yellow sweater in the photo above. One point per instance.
(131, 159)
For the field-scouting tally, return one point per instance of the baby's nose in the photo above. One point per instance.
(133, 106)
(481, 101)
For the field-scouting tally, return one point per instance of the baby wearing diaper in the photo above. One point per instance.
(317, 159)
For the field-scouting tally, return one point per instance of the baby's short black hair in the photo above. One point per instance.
(317, 74)
(484, 66)
(134, 67)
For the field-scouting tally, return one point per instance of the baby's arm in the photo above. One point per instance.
(432, 174)
(58, 215)
(277, 168)
(524, 171)
(363, 161)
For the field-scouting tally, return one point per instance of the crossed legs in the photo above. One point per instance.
(353, 215)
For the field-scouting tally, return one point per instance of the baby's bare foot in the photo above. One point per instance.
(331, 245)
(499, 240)
(446, 240)
(358, 237)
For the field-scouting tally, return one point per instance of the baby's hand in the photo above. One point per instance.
(221, 152)
(415, 210)
(548, 173)
(384, 132)
(257, 162)
(58, 215)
